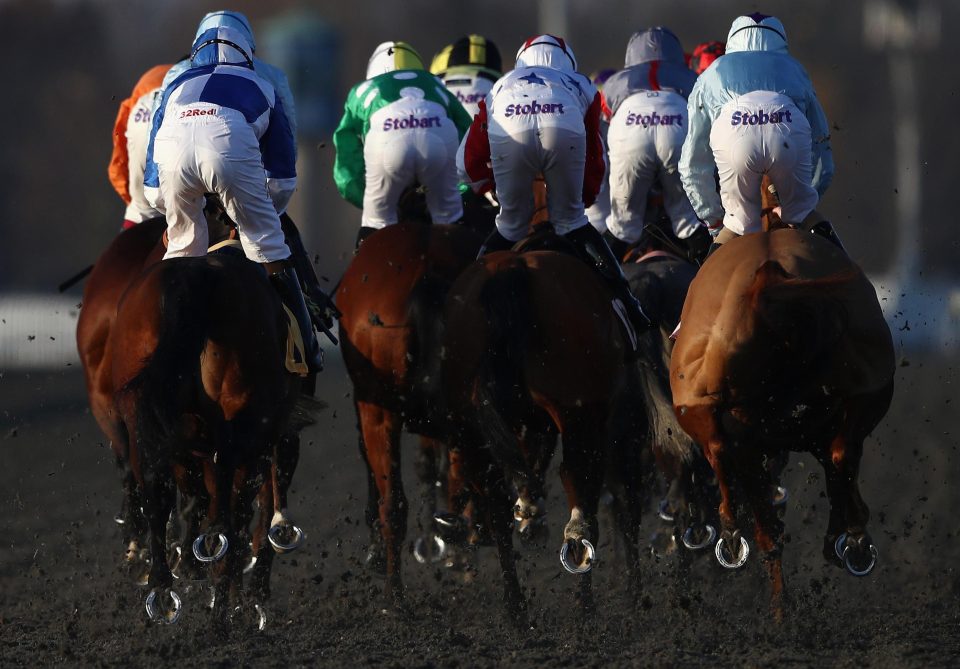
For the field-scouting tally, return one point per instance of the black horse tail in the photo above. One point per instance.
(800, 315)
(500, 393)
(171, 376)
(425, 315)
(665, 431)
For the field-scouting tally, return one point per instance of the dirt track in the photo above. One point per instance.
(62, 598)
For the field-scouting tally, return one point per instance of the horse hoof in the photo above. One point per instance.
(251, 563)
(199, 546)
(663, 510)
(737, 560)
(430, 550)
(853, 559)
(451, 527)
(585, 564)
(166, 617)
(279, 538)
(692, 544)
(840, 545)
(780, 495)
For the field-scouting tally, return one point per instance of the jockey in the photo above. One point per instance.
(647, 103)
(754, 112)
(704, 54)
(598, 212)
(131, 131)
(544, 118)
(468, 67)
(400, 127)
(222, 129)
(317, 301)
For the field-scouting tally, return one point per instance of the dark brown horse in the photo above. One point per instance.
(533, 336)
(204, 398)
(783, 346)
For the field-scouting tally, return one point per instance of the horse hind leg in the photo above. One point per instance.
(847, 542)
(284, 535)
(731, 549)
(381, 438)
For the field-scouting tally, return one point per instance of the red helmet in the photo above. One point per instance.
(704, 54)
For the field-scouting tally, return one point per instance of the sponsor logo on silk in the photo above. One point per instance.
(198, 112)
(760, 118)
(471, 99)
(647, 120)
(532, 108)
(411, 122)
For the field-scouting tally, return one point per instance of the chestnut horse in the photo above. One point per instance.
(391, 298)
(783, 347)
(532, 336)
(201, 386)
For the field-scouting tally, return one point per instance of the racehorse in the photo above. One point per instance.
(124, 259)
(391, 299)
(660, 274)
(204, 397)
(531, 336)
(783, 347)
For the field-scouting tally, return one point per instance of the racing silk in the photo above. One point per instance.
(137, 137)
(756, 60)
(470, 84)
(379, 95)
(271, 73)
(245, 101)
(654, 62)
(119, 168)
(536, 97)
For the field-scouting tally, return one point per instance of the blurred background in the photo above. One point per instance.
(883, 70)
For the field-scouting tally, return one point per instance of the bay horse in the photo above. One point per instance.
(660, 275)
(531, 336)
(205, 399)
(783, 348)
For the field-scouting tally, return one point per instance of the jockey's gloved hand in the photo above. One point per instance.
(698, 244)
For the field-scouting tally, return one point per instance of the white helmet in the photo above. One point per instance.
(391, 56)
(547, 51)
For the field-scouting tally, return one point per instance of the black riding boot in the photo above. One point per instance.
(362, 234)
(287, 284)
(602, 259)
(321, 307)
(825, 230)
(495, 242)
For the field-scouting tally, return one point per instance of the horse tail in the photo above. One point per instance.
(425, 315)
(665, 431)
(802, 314)
(171, 375)
(506, 304)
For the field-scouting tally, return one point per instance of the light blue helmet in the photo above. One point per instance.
(229, 19)
(221, 46)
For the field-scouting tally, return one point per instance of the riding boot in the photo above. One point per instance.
(617, 246)
(362, 234)
(321, 308)
(595, 249)
(495, 242)
(825, 230)
(287, 284)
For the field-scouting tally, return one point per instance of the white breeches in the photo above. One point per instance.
(557, 153)
(214, 158)
(762, 133)
(646, 135)
(398, 158)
